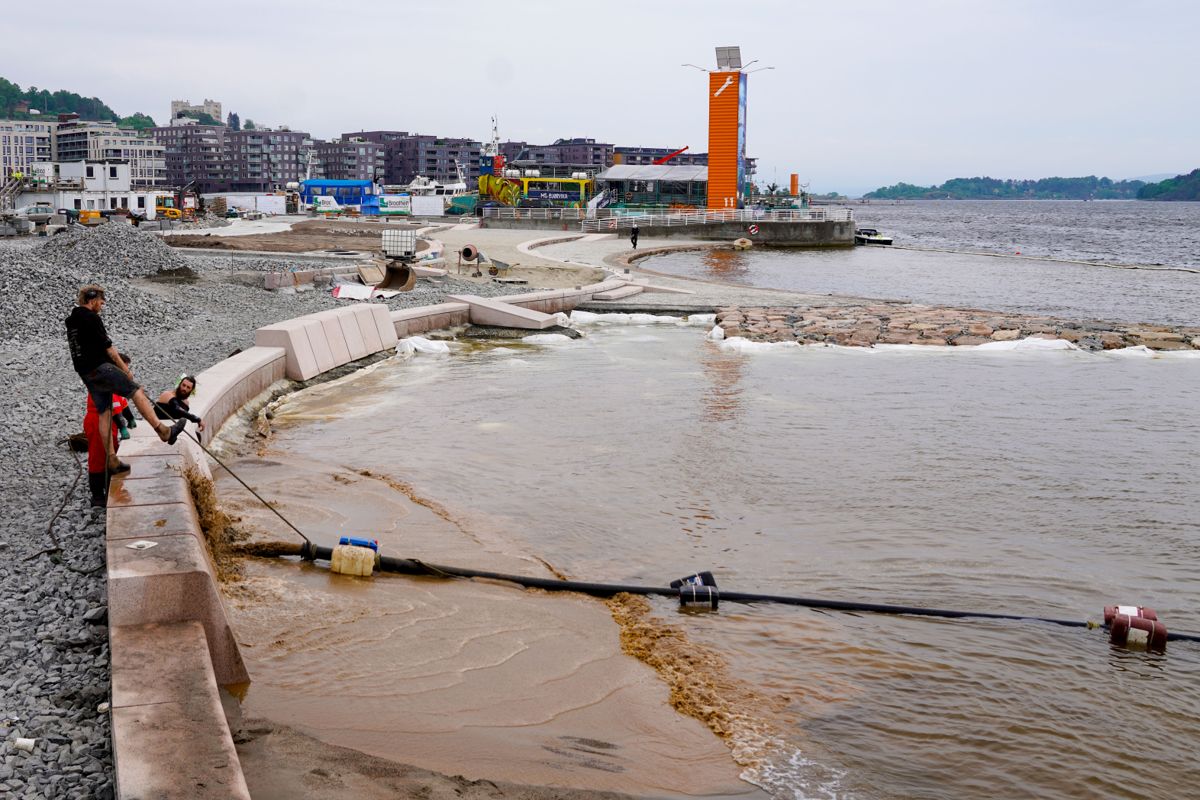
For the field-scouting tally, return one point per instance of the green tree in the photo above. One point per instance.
(233, 121)
(136, 121)
(248, 125)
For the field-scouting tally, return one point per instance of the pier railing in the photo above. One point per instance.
(672, 219)
(607, 219)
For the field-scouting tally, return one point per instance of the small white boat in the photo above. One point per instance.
(870, 236)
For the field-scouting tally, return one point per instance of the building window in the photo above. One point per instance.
(112, 203)
(78, 204)
(124, 202)
(141, 201)
(91, 172)
(112, 172)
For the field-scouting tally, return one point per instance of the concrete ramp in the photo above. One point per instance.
(650, 288)
(487, 311)
(628, 290)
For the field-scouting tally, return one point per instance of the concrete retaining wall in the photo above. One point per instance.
(775, 234)
(169, 635)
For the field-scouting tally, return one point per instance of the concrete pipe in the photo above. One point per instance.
(399, 278)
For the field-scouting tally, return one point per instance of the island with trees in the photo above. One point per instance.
(1086, 188)
(1181, 187)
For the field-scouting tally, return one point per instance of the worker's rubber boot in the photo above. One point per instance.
(98, 483)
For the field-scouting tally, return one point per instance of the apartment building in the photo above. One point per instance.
(218, 159)
(264, 160)
(352, 158)
(435, 157)
(578, 153)
(639, 156)
(75, 139)
(23, 143)
(194, 153)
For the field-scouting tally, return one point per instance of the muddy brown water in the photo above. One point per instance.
(1048, 484)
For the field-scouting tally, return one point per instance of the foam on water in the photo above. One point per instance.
(553, 339)
(692, 320)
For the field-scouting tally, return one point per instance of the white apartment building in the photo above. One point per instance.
(85, 140)
(24, 142)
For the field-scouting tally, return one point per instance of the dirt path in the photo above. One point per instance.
(304, 237)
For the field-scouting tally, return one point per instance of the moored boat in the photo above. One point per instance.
(870, 236)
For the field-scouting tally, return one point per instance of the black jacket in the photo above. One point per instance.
(87, 339)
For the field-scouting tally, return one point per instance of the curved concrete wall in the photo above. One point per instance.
(169, 635)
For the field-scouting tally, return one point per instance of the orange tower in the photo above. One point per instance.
(726, 130)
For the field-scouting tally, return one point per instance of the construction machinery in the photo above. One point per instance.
(669, 156)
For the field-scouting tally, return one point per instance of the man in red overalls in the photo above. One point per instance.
(97, 458)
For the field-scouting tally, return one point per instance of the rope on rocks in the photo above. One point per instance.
(57, 548)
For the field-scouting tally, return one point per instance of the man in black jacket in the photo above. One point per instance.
(104, 373)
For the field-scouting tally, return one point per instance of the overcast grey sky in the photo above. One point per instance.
(863, 94)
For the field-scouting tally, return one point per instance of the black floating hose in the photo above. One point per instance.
(412, 566)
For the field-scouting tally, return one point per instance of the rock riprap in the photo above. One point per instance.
(867, 325)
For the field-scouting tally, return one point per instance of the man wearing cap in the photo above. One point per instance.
(105, 373)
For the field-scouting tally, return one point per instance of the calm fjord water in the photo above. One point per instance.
(1120, 233)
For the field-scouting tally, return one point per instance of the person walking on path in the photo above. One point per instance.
(174, 404)
(633, 236)
(104, 373)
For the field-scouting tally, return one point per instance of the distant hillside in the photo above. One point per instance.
(16, 103)
(1181, 187)
(1089, 188)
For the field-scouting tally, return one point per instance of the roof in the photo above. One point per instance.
(331, 182)
(654, 172)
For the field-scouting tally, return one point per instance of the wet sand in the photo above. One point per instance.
(283, 764)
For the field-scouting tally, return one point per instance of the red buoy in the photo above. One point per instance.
(1130, 611)
(1138, 633)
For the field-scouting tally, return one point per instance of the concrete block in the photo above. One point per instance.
(155, 488)
(488, 311)
(158, 663)
(145, 442)
(334, 336)
(170, 737)
(320, 345)
(383, 324)
(292, 337)
(144, 520)
(366, 325)
(348, 321)
(172, 582)
(271, 281)
(304, 276)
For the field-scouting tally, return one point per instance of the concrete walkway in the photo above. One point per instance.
(606, 250)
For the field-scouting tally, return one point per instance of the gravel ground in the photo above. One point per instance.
(54, 661)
